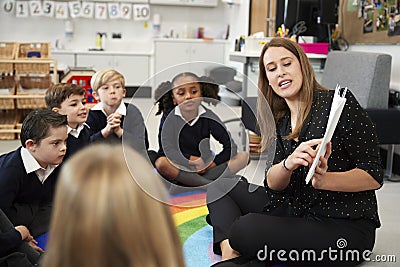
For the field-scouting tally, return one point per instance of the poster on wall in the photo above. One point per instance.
(8, 5)
(35, 8)
(22, 9)
(61, 10)
(48, 8)
(100, 11)
(382, 15)
(394, 18)
(87, 10)
(77, 9)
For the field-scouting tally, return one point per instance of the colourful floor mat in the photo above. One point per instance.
(189, 213)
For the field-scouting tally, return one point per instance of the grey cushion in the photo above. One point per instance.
(366, 74)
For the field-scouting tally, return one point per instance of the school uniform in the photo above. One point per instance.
(77, 139)
(179, 139)
(27, 190)
(135, 134)
(13, 250)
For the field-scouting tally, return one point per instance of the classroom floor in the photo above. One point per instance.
(387, 243)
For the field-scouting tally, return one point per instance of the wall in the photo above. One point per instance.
(214, 20)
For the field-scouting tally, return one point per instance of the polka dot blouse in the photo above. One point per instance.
(354, 145)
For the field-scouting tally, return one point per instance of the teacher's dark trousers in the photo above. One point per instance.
(266, 238)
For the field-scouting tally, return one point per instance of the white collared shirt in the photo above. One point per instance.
(121, 108)
(31, 165)
(76, 132)
(199, 113)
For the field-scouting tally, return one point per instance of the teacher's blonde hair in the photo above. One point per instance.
(103, 217)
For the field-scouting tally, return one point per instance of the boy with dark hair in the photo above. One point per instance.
(28, 174)
(69, 99)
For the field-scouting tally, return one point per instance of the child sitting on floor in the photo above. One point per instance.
(107, 118)
(185, 130)
(29, 173)
(69, 99)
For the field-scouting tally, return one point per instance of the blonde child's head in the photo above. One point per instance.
(113, 207)
(105, 76)
(108, 88)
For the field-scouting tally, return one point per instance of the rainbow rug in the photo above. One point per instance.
(189, 211)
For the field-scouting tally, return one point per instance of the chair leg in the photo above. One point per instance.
(389, 164)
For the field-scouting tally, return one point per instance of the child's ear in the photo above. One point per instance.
(55, 109)
(30, 145)
(96, 95)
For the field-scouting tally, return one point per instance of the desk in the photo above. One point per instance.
(250, 69)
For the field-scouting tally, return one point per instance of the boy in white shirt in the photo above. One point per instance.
(29, 173)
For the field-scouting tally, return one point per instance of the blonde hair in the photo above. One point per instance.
(278, 104)
(104, 76)
(102, 217)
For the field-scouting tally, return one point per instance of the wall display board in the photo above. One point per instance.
(370, 21)
(78, 9)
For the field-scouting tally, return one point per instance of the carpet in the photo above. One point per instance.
(189, 211)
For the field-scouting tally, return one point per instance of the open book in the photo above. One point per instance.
(338, 103)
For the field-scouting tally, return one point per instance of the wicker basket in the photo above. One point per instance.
(7, 87)
(33, 51)
(8, 120)
(34, 87)
(8, 50)
(32, 68)
(21, 115)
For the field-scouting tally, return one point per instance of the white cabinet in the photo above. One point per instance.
(135, 68)
(64, 59)
(181, 55)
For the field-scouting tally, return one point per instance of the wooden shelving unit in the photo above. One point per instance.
(30, 67)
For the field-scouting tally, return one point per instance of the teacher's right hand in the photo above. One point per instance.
(303, 155)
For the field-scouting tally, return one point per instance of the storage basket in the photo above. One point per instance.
(7, 87)
(33, 51)
(34, 87)
(21, 115)
(8, 50)
(8, 120)
(32, 68)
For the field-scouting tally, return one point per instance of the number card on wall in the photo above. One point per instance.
(100, 11)
(141, 12)
(87, 10)
(61, 10)
(48, 8)
(8, 5)
(113, 10)
(35, 8)
(22, 9)
(75, 9)
(125, 10)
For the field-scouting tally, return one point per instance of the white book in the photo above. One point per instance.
(338, 103)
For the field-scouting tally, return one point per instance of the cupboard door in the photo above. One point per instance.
(211, 52)
(64, 60)
(169, 54)
(134, 68)
(97, 62)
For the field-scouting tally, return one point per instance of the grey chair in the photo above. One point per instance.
(367, 75)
